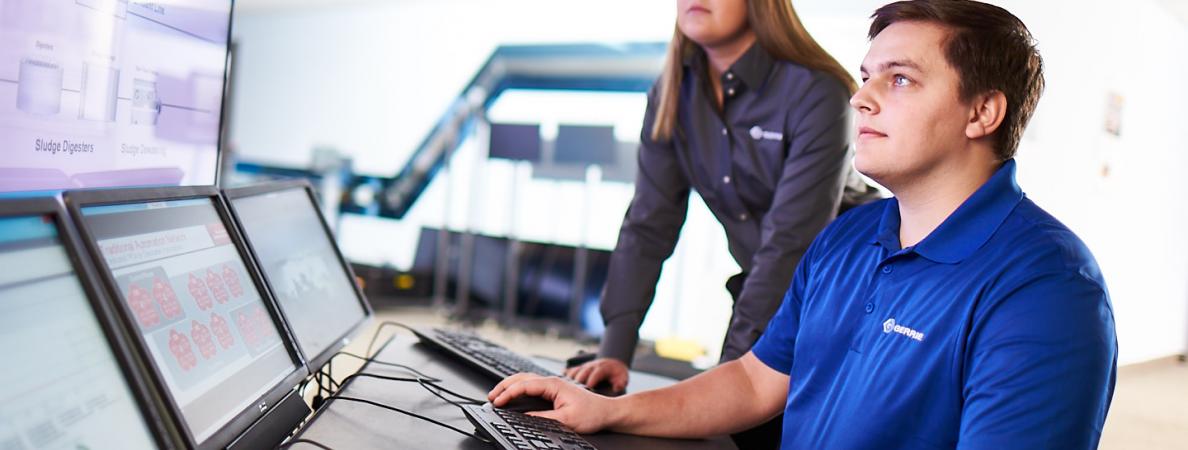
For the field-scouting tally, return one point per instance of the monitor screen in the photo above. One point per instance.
(302, 265)
(187, 289)
(100, 93)
(62, 385)
(515, 141)
(585, 144)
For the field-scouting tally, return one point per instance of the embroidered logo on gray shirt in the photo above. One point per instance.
(758, 134)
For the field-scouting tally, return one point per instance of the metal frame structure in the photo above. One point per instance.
(631, 67)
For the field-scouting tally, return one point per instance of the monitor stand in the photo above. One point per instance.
(275, 425)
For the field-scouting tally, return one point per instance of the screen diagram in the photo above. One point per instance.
(98, 93)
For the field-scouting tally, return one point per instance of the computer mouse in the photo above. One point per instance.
(525, 403)
(605, 388)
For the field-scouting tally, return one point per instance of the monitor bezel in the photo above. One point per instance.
(231, 195)
(125, 357)
(224, 110)
(77, 200)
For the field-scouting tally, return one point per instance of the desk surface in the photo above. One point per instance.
(352, 425)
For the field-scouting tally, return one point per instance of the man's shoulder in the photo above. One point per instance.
(1039, 242)
(1034, 252)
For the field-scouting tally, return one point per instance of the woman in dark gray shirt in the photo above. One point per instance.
(752, 113)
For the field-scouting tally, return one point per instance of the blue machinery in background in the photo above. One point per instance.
(631, 67)
(573, 67)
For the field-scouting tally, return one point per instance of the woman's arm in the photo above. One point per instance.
(647, 238)
(805, 201)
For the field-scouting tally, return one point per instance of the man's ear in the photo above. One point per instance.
(986, 114)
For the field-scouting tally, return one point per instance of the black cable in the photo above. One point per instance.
(330, 374)
(455, 394)
(422, 379)
(438, 394)
(322, 378)
(321, 387)
(385, 363)
(303, 385)
(382, 377)
(325, 377)
(423, 382)
(333, 385)
(303, 441)
(320, 398)
(329, 383)
(410, 414)
(380, 328)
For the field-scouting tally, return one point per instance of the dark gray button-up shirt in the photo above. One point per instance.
(770, 165)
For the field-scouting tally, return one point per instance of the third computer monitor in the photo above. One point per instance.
(188, 289)
(309, 278)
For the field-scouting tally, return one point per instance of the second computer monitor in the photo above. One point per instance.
(186, 286)
(310, 279)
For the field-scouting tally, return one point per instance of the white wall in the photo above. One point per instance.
(370, 78)
(1134, 218)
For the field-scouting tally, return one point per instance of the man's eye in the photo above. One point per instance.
(901, 81)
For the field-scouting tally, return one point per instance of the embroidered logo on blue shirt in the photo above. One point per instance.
(889, 326)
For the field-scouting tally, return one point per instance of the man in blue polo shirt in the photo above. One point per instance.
(956, 315)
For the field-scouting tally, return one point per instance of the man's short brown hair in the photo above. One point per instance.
(990, 49)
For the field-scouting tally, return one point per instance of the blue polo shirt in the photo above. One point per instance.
(994, 332)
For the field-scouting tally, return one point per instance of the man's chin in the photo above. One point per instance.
(877, 173)
(866, 167)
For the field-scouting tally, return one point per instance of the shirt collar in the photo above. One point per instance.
(751, 69)
(968, 228)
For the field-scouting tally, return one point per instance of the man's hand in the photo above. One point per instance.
(599, 370)
(575, 407)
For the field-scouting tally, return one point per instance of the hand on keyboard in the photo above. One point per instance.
(598, 371)
(575, 407)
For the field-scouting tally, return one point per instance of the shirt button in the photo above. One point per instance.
(723, 132)
(726, 179)
(886, 269)
(729, 75)
(869, 308)
(730, 92)
(743, 217)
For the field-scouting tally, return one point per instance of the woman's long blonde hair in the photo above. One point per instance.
(777, 29)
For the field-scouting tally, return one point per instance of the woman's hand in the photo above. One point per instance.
(602, 369)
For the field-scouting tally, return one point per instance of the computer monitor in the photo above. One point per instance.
(69, 379)
(307, 274)
(98, 93)
(520, 142)
(584, 145)
(185, 283)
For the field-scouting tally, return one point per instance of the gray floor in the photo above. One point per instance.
(1149, 410)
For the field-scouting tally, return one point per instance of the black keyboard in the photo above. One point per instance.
(493, 359)
(514, 431)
